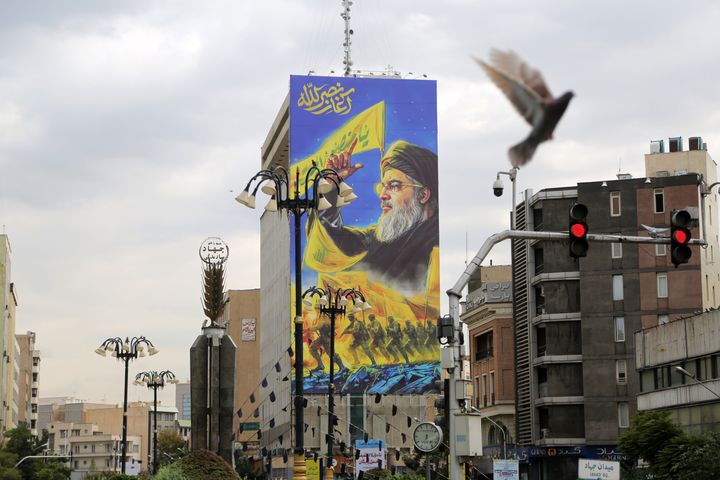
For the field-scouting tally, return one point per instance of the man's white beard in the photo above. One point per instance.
(398, 220)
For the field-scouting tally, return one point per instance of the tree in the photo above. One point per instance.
(21, 442)
(671, 454)
(169, 441)
(7, 466)
(651, 431)
(53, 470)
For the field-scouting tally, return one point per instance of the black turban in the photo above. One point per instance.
(416, 162)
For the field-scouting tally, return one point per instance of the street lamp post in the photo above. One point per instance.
(498, 426)
(297, 201)
(126, 350)
(155, 380)
(688, 374)
(334, 303)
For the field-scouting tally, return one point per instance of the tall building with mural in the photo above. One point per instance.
(381, 136)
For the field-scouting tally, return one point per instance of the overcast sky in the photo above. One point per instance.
(125, 127)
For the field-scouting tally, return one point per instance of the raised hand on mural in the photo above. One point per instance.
(341, 162)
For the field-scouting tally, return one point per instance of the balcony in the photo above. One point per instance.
(483, 354)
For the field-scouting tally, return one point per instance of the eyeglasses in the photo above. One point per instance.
(394, 186)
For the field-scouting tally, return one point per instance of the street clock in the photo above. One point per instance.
(427, 437)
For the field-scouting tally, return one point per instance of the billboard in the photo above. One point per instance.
(381, 136)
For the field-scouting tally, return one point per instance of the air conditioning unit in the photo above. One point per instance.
(695, 143)
(676, 144)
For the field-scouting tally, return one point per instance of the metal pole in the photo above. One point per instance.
(155, 389)
(124, 426)
(299, 461)
(331, 392)
(427, 467)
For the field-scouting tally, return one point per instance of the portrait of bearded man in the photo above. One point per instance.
(399, 249)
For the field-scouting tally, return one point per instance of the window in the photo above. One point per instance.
(621, 371)
(484, 390)
(659, 200)
(623, 415)
(660, 250)
(541, 341)
(662, 287)
(616, 250)
(619, 329)
(617, 287)
(614, 204)
(484, 346)
(477, 392)
(492, 388)
(663, 319)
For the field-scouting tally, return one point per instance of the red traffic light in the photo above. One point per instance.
(578, 230)
(680, 236)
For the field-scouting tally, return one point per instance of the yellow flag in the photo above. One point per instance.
(367, 126)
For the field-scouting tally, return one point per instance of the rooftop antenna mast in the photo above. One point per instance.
(348, 32)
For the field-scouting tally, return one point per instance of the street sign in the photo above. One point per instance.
(598, 470)
(506, 469)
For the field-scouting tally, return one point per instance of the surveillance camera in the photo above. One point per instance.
(498, 188)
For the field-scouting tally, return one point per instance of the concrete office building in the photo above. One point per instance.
(242, 314)
(575, 358)
(28, 381)
(692, 343)
(487, 311)
(182, 400)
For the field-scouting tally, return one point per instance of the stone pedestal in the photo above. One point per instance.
(212, 391)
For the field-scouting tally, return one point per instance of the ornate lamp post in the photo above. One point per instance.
(126, 350)
(155, 380)
(297, 201)
(334, 303)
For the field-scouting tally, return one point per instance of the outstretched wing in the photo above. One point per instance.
(514, 66)
(526, 100)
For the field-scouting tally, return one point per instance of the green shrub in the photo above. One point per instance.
(202, 464)
(170, 472)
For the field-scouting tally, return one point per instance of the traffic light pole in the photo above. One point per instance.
(455, 295)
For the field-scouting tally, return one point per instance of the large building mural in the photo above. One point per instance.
(381, 136)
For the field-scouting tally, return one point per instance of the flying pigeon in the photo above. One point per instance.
(526, 89)
(655, 232)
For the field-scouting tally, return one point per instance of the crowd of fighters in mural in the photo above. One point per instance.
(392, 341)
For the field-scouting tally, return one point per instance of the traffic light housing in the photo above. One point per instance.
(442, 406)
(680, 251)
(577, 230)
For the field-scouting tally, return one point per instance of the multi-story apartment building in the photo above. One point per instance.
(140, 418)
(28, 381)
(8, 345)
(487, 311)
(575, 358)
(92, 450)
(73, 415)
